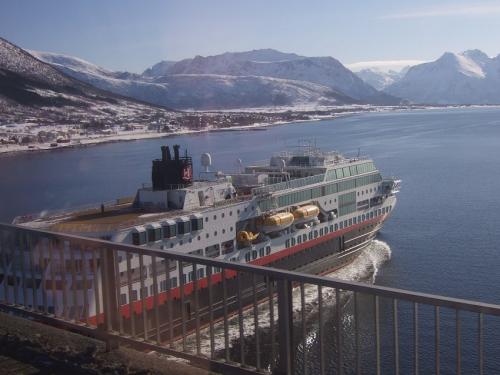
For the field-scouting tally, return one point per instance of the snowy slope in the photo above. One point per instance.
(325, 71)
(213, 91)
(201, 91)
(470, 77)
(32, 87)
(380, 79)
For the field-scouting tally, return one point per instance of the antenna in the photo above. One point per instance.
(359, 151)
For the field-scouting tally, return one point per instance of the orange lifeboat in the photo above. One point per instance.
(305, 213)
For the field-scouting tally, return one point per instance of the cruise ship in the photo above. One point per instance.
(303, 209)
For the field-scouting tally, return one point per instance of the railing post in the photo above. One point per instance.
(110, 296)
(285, 327)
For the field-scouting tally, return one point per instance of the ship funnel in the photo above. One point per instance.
(176, 152)
(165, 153)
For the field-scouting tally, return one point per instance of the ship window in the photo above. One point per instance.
(169, 231)
(326, 230)
(196, 223)
(163, 285)
(201, 273)
(345, 223)
(212, 251)
(346, 171)
(215, 217)
(287, 243)
(254, 254)
(331, 228)
(336, 227)
(206, 219)
(190, 276)
(293, 241)
(359, 219)
(350, 222)
(184, 278)
(222, 214)
(133, 297)
(227, 247)
(321, 232)
(223, 231)
(341, 224)
(354, 220)
(196, 252)
(310, 236)
(261, 252)
(354, 170)
(215, 233)
(230, 213)
(183, 227)
(315, 233)
(247, 257)
(139, 238)
(339, 173)
(173, 282)
(268, 250)
(123, 299)
(231, 229)
(299, 239)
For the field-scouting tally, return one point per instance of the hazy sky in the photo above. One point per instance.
(132, 35)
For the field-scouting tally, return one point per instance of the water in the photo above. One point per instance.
(443, 234)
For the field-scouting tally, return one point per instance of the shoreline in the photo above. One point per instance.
(137, 136)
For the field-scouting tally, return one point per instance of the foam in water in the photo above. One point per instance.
(364, 268)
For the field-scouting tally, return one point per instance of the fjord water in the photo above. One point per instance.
(443, 234)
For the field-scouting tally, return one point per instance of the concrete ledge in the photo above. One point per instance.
(33, 347)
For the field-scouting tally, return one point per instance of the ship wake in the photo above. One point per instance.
(363, 269)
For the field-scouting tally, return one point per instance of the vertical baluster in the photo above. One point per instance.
(415, 338)
(210, 312)
(42, 254)
(320, 331)
(131, 306)
(240, 319)
(52, 262)
(396, 335)
(458, 342)
(377, 333)
(269, 285)
(97, 289)
(338, 327)
(118, 284)
(85, 272)
(62, 272)
(304, 328)
(169, 301)
(437, 336)
(31, 251)
(156, 297)
(142, 295)
(224, 304)
(196, 309)
(76, 314)
(481, 343)
(183, 304)
(256, 323)
(14, 271)
(21, 244)
(356, 334)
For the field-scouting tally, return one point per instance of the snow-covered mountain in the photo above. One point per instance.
(380, 79)
(470, 77)
(325, 71)
(32, 87)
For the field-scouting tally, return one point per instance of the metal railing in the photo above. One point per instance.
(295, 183)
(238, 318)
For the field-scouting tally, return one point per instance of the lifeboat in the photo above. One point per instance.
(305, 213)
(276, 222)
(246, 237)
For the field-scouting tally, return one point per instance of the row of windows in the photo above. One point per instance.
(333, 228)
(166, 231)
(352, 170)
(308, 194)
(252, 255)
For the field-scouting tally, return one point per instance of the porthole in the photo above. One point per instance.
(222, 215)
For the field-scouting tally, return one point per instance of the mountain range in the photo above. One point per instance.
(259, 78)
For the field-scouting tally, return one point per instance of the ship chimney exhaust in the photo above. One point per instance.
(176, 152)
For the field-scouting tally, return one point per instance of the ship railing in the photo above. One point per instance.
(295, 183)
(237, 318)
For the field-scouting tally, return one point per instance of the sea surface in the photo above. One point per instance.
(443, 236)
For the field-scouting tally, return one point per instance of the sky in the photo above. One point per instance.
(132, 35)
